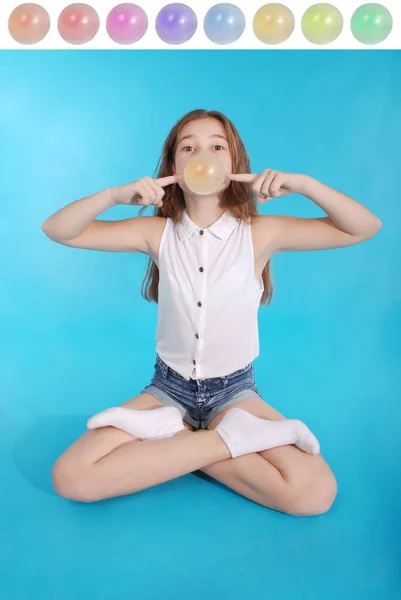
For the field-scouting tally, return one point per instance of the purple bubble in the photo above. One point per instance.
(176, 23)
(126, 23)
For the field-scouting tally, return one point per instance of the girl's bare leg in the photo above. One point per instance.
(133, 465)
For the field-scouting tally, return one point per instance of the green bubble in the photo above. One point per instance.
(322, 23)
(371, 23)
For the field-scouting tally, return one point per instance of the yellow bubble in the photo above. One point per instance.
(204, 174)
(322, 23)
(273, 23)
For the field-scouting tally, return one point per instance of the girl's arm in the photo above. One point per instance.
(73, 219)
(348, 222)
(76, 225)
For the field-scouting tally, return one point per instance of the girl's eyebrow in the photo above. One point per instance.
(192, 136)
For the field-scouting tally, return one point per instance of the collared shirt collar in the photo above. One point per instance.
(222, 228)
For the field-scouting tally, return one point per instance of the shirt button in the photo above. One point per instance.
(201, 269)
(201, 232)
(194, 361)
(199, 303)
(197, 336)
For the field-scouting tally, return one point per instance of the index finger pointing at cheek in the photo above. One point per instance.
(163, 181)
(248, 177)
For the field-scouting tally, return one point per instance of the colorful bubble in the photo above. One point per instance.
(273, 23)
(371, 23)
(204, 174)
(322, 23)
(126, 23)
(29, 23)
(176, 23)
(224, 23)
(78, 23)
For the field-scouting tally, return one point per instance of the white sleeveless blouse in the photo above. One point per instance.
(208, 297)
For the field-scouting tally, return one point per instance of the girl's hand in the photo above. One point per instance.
(144, 191)
(270, 184)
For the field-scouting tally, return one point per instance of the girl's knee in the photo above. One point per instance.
(318, 499)
(69, 481)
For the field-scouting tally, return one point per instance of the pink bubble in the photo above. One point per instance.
(78, 23)
(127, 23)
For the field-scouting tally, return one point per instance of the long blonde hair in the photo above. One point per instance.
(238, 198)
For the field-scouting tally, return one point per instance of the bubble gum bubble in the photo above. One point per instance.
(29, 23)
(204, 174)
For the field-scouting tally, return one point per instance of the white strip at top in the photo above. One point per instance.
(199, 41)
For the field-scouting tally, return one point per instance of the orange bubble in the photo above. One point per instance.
(78, 23)
(29, 23)
(204, 174)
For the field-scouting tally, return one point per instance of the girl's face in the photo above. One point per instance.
(202, 135)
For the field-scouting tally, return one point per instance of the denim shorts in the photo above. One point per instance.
(200, 400)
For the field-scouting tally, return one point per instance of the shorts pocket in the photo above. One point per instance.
(161, 369)
(241, 374)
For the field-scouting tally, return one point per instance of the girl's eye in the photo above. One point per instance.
(217, 146)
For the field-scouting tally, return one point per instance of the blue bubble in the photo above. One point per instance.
(224, 23)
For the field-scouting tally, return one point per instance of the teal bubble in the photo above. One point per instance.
(371, 23)
(224, 23)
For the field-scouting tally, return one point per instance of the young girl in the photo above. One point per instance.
(209, 272)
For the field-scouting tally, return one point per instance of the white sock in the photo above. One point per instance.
(158, 423)
(244, 433)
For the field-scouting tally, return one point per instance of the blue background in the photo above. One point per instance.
(77, 337)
